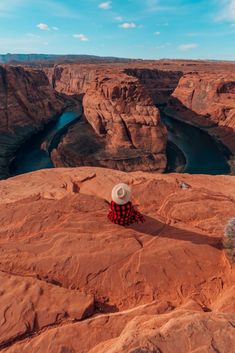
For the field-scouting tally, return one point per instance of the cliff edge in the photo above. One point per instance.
(74, 282)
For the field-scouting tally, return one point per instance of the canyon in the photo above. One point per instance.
(74, 282)
(121, 126)
(207, 101)
(127, 131)
(189, 91)
(27, 104)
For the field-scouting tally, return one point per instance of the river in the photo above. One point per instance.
(33, 155)
(200, 151)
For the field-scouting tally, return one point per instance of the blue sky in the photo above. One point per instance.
(149, 29)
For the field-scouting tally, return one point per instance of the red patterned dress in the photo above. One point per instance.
(124, 214)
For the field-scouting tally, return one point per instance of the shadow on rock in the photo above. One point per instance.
(154, 228)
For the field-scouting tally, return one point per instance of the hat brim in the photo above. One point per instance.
(123, 200)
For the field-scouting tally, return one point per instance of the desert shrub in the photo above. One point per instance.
(229, 240)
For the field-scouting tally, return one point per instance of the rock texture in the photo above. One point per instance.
(80, 284)
(207, 100)
(27, 102)
(122, 114)
(200, 93)
(121, 123)
(29, 305)
(159, 84)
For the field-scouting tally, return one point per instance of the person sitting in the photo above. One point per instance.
(122, 211)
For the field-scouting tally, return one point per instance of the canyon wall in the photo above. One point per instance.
(27, 102)
(121, 123)
(203, 97)
(158, 83)
(207, 100)
(122, 114)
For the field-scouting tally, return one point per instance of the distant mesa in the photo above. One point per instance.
(14, 58)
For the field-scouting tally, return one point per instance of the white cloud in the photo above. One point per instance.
(186, 47)
(127, 25)
(118, 18)
(105, 5)
(157, 33)
(43, 27)
(227, 12)
(81, 37)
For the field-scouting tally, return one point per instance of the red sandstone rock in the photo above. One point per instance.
(207, 100)
(29, 305)
(154, 284)
(121, 112)
(118, 101)
(27, 102)
(158, 83)
(203, 97)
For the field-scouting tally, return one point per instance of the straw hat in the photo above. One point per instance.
(121, 194)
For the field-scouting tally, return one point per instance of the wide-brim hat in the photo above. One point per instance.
(121, 194)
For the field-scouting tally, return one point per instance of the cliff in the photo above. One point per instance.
(207, 100)
(128, 131)
(27, 102)
(71, 281)
(199, 93)
(158, 83)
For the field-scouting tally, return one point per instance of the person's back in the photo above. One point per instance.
(122, 211)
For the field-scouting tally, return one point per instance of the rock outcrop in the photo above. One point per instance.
(207, 100)
(127, 126)
(199, 93)
(121, 123)
(73, 282)
(158, 83)
(27, 103)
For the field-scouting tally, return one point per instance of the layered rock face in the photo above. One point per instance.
(27, 103)
(127, 126)
(207, 100)
(74, 282)
(158, 83)
(200, 97)
(72, 79)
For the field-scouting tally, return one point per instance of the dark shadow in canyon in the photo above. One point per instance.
(205, 152)
(177, 110)
(155, 228)
(159, 84)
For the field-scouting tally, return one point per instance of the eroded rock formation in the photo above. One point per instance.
(204, 96)
(122, 114)
(27, 103)
(158, 83)
(122, 124)
(207, 100)
(73, 282)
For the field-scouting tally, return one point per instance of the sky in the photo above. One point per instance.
(145, 29)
